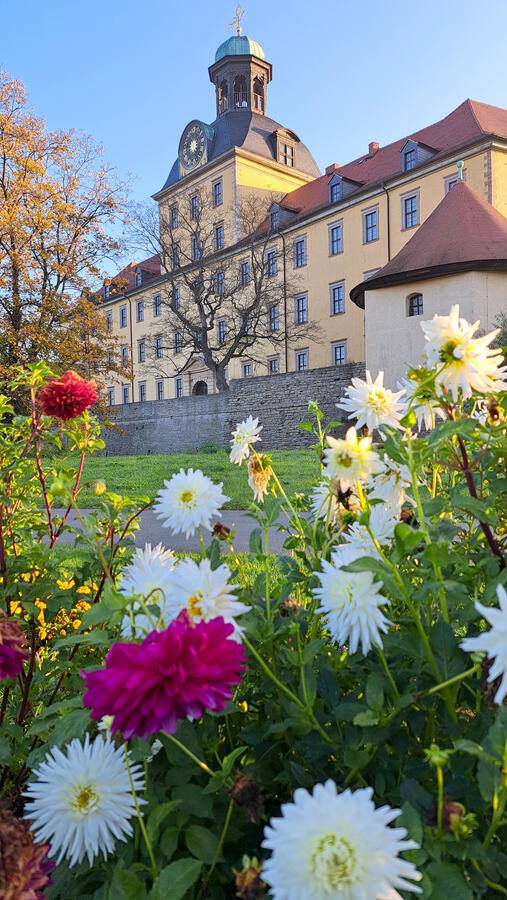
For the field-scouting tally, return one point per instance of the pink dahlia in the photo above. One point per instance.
(23, 864)
(68, 396)
(182, 671)
(12, 654)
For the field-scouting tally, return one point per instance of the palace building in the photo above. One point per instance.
(278, 255)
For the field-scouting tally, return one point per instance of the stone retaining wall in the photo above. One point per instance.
(280, 402)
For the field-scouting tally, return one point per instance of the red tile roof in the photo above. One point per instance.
(126, 279)
(469, 122)
(463, 233)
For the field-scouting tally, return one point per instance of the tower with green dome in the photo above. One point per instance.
(241, 75)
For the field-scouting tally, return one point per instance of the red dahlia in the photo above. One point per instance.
(12, 654)
(68, 396)
(181, 671)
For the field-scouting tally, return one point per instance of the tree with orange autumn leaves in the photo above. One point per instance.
(58, 205)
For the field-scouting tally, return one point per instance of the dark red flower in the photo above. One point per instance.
(182, 671)
(12, 654)
(23, 864)
(68, 396)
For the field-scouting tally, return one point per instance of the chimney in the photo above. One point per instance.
(333, 168)
(372, 148)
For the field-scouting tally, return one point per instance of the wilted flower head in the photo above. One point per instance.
(493, 642)
(327, 845)
(68, 396)
(206, 593)
(246, 433)
(82, 800)
(259, 475)
(182, 671)
(12, 654)
(372, 404)
(351, 604)
(150, 576)
(469, 364)
(324, 502)
(188, 501)
(23, 865)
(349, 460)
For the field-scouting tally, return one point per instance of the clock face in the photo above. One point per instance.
(192, 144)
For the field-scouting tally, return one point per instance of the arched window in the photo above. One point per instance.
(240, 91)
(223, 99)
(258, 94)
(415, 305)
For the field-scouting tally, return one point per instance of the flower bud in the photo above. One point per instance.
(99, 487)
(437, 757)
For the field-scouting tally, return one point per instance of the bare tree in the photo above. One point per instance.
(219, 302)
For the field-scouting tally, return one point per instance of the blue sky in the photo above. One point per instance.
(134, 73)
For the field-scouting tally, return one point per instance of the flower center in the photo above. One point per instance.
(85, 799)
(186, 496)
(448, 353)
(378, 401)
(194, 607)
(344, 460)
(333, 861)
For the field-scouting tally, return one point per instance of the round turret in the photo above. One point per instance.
(239, 45)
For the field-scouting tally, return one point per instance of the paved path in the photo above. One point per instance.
(152, 531)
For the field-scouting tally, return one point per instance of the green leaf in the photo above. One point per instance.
(449, 881)
(255, 544)
(307, 426)
(228, 761)
(175, 880)
(406, 536)
(125, 885)
(93, 639)
(169, 840)
(366, 719)
(214, 555)
(374, 692)
(202, 843)
(157, 816)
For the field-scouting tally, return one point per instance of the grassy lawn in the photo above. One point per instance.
(144, 475)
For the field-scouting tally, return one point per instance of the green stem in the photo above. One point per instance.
(424, 528)
(491, 884)
(142, 826)
(266, 572)
(456, 678)
(203, 548)
(497, 815)
(440, 783)
(282, 687)
(222, 839)
(387, 670)
(202, 765)
(97, 542)
(237, 562)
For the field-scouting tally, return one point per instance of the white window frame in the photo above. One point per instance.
(297, 320)
(157, 305)
(219, 228)
(300, 239)
(452, 179)
(276, 317)
(123, 316)
(244, 368)
(139, 310)
(222, 330)
(125, 393)
(125, 355)
(173, 216)
(334, 346)
(409, 195)
(178, 387)
(217, 184)
(178, 342)
(110, 396)
(299, 353)
(159, 384)
(368, 212)
(244, 262)
(336, 284)
(141, 351)
(338, 224)
(159, 347)
(271, 254)
(109, 320)
(273, 359)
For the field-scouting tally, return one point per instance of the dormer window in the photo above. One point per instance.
(410, 159)
(139, 278)
(274, 219)
(286, 154)
(106, 292)
(335, 189)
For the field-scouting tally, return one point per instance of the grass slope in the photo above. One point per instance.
(144, 475)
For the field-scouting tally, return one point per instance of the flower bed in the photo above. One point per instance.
(332, 727)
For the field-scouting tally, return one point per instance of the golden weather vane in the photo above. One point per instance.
(236, 23)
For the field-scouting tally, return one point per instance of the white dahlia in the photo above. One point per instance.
(349, 460)
(469, 364)
(382, 524)
(188, 501)
(82, 802)
(330, 846)
(149, 576)
(390, 486)
(493, 642)
(372, 404)
(206, 593)
(426, 408)
(246, 433)
(351, 604)
(324, 502)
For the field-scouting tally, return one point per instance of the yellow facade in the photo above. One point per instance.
(340, 337)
